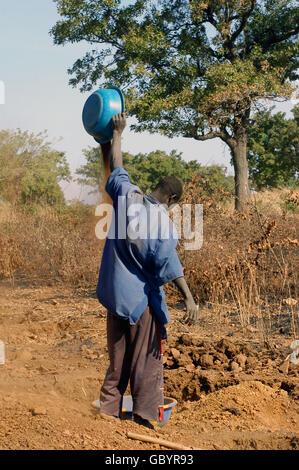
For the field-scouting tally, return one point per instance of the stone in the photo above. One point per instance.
(234, 367)
(233, 410)
(186, 339)
(38, 410)
(241, 359)
(206, 360)
(176, 354)
(183, 360)
(284, 367)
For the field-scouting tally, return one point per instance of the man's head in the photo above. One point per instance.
(168, 191)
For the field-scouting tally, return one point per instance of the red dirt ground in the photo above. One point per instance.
(233, 391)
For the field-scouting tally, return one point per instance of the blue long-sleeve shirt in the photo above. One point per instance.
(139, 254)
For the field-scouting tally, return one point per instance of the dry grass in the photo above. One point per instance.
(49, 244)
(248, 262)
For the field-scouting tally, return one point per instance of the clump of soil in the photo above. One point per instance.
(193, 367)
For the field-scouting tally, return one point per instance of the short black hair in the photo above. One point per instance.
(170, 185)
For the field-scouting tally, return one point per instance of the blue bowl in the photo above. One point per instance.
(99, 110)
(127, 409)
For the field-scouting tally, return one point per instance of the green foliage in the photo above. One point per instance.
(146, 170)
(290, 204)
(189, 67)
(91, 173)
(273, 150)
(30, 169)
(216, 181)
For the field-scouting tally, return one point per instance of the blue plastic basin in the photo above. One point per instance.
(99, 110)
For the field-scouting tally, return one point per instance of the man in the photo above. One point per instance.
(138, 258)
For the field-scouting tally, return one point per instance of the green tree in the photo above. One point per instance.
(91, 173)
(273, 150)
(30, 170)
(145, 170)
(191, 68)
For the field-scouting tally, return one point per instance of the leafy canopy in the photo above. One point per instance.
(273, 150)
(189, 67)
(146, 170)
(30, 170)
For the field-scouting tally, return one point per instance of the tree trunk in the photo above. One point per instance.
(239, 157)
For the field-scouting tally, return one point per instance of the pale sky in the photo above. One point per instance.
(38, 97)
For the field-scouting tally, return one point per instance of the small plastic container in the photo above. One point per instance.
(127, 409)
(99, 110)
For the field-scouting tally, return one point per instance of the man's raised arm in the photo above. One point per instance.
(113, 151)
(119, 123)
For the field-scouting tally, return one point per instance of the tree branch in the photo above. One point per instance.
(275, 39)
(209, 135)
(243, 21)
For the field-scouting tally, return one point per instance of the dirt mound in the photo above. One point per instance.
(251, 404)
(193, 367)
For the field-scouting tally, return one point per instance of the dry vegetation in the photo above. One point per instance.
(248, 262)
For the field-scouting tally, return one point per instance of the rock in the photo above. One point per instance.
(234, 367)
(38, 410)
(186, 339)
(284, 367)
(176, 354)
(183, 360)
(206, 360)
(241, 360)
(221, 357)
(233, 410)
(169, 362)
(190, 367)
(228, 348)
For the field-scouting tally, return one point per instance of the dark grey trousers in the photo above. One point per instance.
(135, 354)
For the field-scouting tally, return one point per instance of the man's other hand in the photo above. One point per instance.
(191, 315)
(119, 122)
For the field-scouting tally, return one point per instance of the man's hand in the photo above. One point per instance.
(191, 315)
(119, 123)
